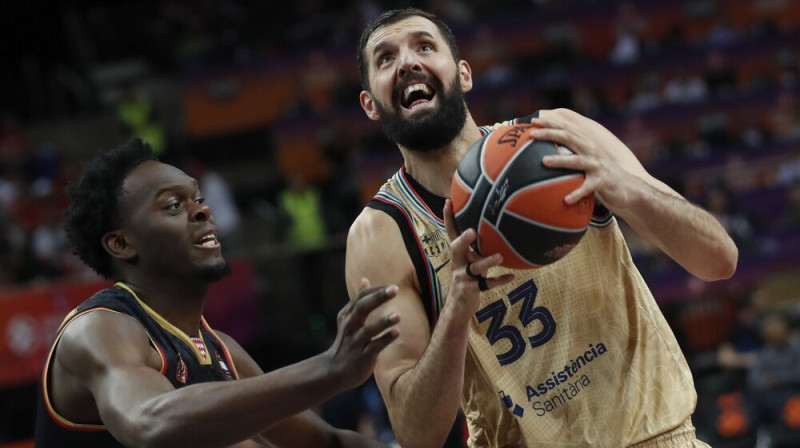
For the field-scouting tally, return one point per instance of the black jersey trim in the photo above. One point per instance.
(413, 249)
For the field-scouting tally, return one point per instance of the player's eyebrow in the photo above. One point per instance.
(173, 187)
(380, 46)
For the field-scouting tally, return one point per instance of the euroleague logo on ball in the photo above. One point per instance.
(513, 135)
(516, 204)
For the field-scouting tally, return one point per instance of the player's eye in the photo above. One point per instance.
(426, 47)
(385, 58)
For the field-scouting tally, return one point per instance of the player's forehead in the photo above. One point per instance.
(407, 28)
(150, 178)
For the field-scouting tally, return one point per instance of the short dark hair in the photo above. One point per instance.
(393, 16)
(94, 202)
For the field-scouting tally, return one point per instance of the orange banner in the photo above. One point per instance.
(30, 316)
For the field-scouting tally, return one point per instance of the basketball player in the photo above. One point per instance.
(575, 353)
(137, 364)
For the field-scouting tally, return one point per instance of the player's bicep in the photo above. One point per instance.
(376, 251)
(405, 352)
(111, 356)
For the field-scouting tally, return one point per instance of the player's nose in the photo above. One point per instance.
(201, 212)
(408, 61)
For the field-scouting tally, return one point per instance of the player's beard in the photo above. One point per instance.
(432, 129)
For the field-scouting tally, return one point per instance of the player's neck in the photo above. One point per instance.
(434, 169)
(181, 305)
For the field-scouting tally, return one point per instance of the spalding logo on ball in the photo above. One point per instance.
(516, 204)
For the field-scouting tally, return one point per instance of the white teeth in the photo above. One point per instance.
(413, 88)
(208, 241)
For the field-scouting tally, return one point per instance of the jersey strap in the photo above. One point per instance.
(430, 288)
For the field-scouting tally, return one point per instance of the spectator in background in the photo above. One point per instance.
(48, 241)
(684, 142)
(786, 118)
(10, 187)
(752, 131)
(722, 33)
(685, 87)
(789, 170)
(136, 112)
(647, 93)
(788, 60)
(744, 336)
(300, 202)
(738, 225)
(629, 26)
(719, 75)
(774, 370)
(641, 140)
(791, 216)
(492, 62)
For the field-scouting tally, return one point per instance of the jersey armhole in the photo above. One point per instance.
(45, 383)
(414, 250)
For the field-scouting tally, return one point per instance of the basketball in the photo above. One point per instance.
(516, 204)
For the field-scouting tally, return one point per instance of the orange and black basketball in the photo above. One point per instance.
(516, 204)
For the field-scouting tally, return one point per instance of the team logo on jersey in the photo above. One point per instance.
(515, 408)
(180, 370)
(225, 369)
(201, 346)
(433, 243)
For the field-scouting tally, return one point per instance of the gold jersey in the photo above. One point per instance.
(575, 353)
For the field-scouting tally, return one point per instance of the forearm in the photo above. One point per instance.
(689, 235)
(222, 413)
(434, 386)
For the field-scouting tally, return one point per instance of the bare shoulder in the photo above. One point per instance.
(371, 225)
(101, 336)
(91, 345)
(376, 251)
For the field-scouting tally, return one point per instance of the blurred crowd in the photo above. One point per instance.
(705, 92)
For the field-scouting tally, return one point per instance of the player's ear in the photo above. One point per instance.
(465, 75)
(368, 104)
(117, 245)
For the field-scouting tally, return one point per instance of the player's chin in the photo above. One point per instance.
(211, 272)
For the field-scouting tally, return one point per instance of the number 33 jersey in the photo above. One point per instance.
(575, 353)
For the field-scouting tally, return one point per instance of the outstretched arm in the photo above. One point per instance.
(422, 373)
(108, 355)
(305, 429)
(684, 231)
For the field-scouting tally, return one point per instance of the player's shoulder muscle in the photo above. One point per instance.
(375, 250)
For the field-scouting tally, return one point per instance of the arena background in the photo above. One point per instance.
(260, 102)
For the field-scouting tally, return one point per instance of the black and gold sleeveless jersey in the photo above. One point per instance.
(184, 360)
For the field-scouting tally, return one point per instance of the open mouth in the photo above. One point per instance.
(208, 241)
(416, 94)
